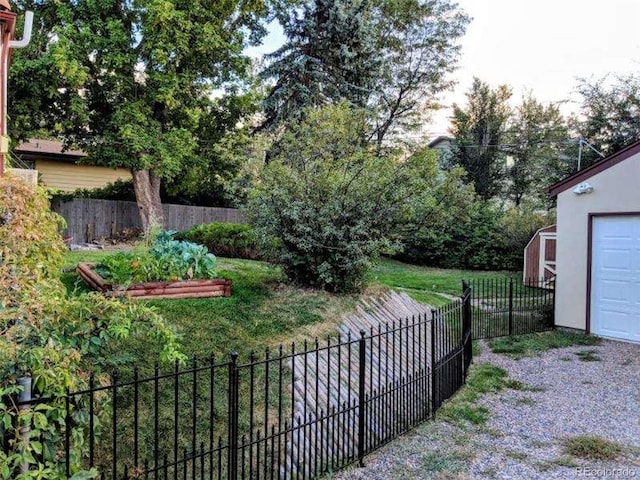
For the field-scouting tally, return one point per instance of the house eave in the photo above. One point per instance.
(604, 164)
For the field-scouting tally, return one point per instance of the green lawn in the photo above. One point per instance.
(261, 311)
(264, 310)
(424, 283)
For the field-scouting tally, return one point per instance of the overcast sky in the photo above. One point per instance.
(542, 45)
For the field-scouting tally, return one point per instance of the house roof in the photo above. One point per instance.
(439, 140)
(594, 169)
(47, 148)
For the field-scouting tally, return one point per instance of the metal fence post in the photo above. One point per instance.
(510, 307)
(434, 383)
(232, 473)
(467, 336)
(362, 413)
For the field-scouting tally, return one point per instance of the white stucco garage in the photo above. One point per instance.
(598, 247)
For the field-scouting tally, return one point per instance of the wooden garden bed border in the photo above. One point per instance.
(215, 287)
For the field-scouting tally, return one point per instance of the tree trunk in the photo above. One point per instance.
(147, 189)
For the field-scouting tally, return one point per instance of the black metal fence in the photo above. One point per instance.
(293, 413)
(504, 306)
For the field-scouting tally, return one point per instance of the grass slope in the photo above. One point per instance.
(425, 284)
(261, 312)
(264, 311)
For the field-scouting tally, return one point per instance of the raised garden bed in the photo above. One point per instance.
(214, 287)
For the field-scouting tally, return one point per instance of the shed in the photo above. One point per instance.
(540, 258)
(598, 247)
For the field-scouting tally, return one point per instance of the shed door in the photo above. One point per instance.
(615, 277)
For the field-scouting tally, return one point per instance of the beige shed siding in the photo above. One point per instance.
(69, 176)
(614, 190)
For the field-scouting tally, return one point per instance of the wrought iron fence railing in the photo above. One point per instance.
(297, 412)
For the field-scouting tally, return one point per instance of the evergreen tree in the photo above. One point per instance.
(391, 57)
(329, 55)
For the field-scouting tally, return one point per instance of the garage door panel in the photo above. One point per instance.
(617, 260)
(616, 291)
(616, 324)
(615, 277)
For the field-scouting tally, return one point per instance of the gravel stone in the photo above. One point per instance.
(523, 438)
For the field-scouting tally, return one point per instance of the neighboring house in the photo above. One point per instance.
(598, 247)
(59, 169)
(443, 145)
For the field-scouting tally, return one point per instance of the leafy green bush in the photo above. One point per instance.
(165, 260)
(470, 233)
(56, 340)
(225, 239)
(118, 190)
(207, 192)
(327, 204)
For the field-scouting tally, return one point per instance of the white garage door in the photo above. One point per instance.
(615, 277)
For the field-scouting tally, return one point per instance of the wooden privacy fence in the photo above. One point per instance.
(89, 219)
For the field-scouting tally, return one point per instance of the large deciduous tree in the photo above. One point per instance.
(418, 40)
(537, 138)
(131, 82)
(478, 130)
(390, 57)
(610, 113)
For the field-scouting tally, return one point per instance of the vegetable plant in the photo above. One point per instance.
(166, 259)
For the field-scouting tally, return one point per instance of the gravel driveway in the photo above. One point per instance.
(565, 396)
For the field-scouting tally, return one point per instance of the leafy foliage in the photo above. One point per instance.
(464, 231)
(478, 130)
(610, 111)
(389, 57)
(538, 139)
(118, 190)
(418, 41)
(225, 239)
(165, 260)
(55, 340)
(326, 206)
(139, 77)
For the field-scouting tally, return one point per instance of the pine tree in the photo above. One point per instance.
(392, 58)
(329, 56)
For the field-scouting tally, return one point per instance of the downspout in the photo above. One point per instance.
(26, 38)
(26, 33)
